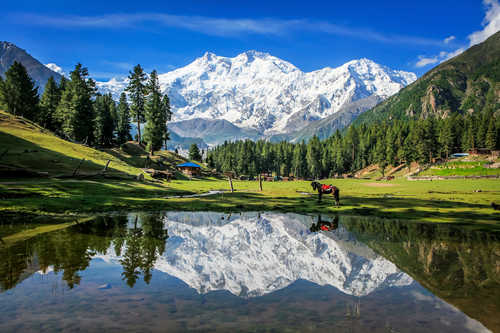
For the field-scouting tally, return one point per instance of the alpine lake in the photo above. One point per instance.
(247, 272)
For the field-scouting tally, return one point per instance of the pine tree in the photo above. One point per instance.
(446, 138)
(299, 163)
(390, 151)
(167, 115)
(491, 136)
(137, 92)
(210, 161)
(123, 121)
(104, 124)
(155, 129)
(18, 92)
(352, 141)
(2, 102)
(75, 111)
(48, 105)
(313, 156)
(483, 125)
(62, 84)
(194, 154)
(113, 111)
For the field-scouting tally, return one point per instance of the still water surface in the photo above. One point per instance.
(203, 271)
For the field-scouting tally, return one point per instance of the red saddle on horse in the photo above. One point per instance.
(326, 188)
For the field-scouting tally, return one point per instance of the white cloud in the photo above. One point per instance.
(423, 61)
(218, 26)
(491, 24)
(449, 39)
(441, 57)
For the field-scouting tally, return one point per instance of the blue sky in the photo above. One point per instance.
(109, 36)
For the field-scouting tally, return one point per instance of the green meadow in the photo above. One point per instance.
(448, 201)
(25, 145)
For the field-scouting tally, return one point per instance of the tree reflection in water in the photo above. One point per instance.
(458, 264)
(70, 250)
(143, 245)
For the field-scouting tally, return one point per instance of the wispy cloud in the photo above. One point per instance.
(426, 61)
(491, 25)
(441, 57)
(218, 26)
(449, 39)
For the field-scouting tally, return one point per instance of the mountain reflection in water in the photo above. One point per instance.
(333, 273)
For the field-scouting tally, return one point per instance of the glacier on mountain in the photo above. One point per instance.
(55, 68)
(259, 91)
(253, 254)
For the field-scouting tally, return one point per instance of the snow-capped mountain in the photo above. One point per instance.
(255, 254)
(55, 68)
(257, 90)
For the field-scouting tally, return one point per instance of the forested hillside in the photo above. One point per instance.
(383, 143)
(467, 83)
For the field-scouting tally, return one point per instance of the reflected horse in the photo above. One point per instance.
(326, 189)
(325, 225)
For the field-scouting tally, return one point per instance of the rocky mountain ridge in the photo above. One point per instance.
(38, 72)
(467, 83)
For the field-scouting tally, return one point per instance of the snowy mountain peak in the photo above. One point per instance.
(207, 57)
(255, 254)
(259, 91)
(55, 68)
(251, 55)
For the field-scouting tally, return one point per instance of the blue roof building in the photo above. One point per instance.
(189, 168)
(188, 164)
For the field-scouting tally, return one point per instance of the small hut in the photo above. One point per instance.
(189, 169)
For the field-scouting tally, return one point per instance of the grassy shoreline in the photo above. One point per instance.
(446, 201)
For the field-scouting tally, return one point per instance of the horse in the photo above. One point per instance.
(325, 225)
(326, 189)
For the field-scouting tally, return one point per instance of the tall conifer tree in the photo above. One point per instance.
(155, 129)
(48, 105)
(194, 152)
(18, 92)
(123, 126)
(491, 136)
(137, 92)
(104, 123)
(168, 116)
(314, 156)
(75, 111)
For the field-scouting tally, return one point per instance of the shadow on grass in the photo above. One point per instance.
(92, 196)
(28, 155)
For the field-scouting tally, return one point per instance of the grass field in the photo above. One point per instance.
(464, 201)
(31, 147)
(28, 146)
(461, 168)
